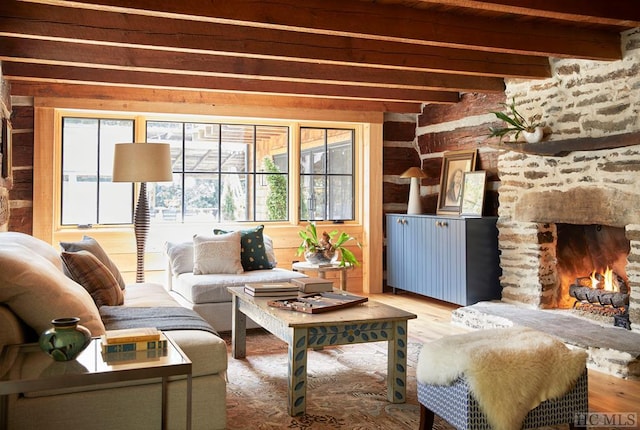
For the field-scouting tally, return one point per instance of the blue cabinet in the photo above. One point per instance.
(447, 258)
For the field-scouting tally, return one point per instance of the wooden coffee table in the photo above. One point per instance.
(367, 322)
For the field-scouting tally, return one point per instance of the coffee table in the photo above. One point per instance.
(367, 322)
(30, 369)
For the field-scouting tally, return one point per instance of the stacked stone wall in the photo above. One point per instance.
(581, 99)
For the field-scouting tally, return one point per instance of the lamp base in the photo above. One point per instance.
(415, 206)
(141, 229)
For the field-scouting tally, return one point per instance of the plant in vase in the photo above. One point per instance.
(516, 123)
(322, 249)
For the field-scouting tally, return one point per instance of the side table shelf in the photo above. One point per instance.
(25, 368)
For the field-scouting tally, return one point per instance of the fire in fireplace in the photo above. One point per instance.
(591, 261)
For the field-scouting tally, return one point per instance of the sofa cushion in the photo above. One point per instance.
(95, 277)
(213, 288)
(180, 257)
(38, 292)
(36, 245)
(217, 254)
(252, 252)
(89, 244)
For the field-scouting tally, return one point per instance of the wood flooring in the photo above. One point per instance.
(606, 393)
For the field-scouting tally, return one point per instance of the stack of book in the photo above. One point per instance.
(313, 285)
(135, 343)
(259, 289)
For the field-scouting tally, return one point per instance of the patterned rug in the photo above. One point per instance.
(346, 388)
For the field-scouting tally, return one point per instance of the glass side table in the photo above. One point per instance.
(25, 368)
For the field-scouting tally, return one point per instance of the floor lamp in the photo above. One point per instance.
(142, 162)
(415, 173)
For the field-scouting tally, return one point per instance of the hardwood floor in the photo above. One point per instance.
(606, 393)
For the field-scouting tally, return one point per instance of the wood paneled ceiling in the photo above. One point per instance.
(374, 55)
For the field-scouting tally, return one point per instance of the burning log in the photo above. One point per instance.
(584, 291)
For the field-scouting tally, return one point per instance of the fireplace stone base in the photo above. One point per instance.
(612, 350)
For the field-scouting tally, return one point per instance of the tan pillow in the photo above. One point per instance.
(37, 292)
(217, 254)
(90, 244)
(95, 277)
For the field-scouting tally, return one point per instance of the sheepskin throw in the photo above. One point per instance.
(509, 371)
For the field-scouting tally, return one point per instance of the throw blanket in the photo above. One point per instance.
(163, 318)
(509, 371)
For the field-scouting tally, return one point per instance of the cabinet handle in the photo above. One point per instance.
(441, 224)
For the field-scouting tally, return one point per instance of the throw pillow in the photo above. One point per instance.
(252, 252)
(95, 277)
(38, 292)
(217, 254)
(89, 244)
(36, 245)
(180, 257)
(268, 248)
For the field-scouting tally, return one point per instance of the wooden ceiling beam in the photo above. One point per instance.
(14, 71)
(180, 63)
(44, 21)
(622, 13)
(384, 22)
(187, 101)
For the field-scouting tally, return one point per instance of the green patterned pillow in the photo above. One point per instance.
(252, 253)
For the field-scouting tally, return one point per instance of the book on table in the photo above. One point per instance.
(313, 284)
(257, 289)
(124, 357)
(318, 302)
(128, 335)
(142, 345)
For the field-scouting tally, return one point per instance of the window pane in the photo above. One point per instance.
(233, 204)
(79, 170)
(340, 201)
(115, 205)
(272, 143)
(201, 147)
(165, 200)
(312, 197)
(340, 148)
(237, 148)
(272, 197)
(201, 197)
(312, 150)
(167, 132)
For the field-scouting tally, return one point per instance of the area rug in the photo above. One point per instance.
(346, 389)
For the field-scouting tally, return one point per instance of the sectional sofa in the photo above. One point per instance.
(34, 289)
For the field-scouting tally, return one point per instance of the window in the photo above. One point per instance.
(222, 172)
(326, 174)
(88, 195)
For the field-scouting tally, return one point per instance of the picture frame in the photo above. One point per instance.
(5, 149)
(454, 165)
(473, 186)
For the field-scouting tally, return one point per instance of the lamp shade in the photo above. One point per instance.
(413, 172)
(142, 162)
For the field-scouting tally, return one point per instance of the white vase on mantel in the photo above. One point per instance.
(534, 136)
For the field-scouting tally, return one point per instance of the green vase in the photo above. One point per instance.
(65, 339)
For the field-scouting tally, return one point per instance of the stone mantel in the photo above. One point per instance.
(561, 148)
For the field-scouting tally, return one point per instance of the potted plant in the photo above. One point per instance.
(322, 249)
(516, 123)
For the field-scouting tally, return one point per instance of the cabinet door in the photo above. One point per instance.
(417, 242)
(452, 263)
(395, 251)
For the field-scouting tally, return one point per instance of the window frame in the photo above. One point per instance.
(358, 130)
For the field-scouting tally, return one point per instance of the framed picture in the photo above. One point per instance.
(454, 166)
(473, 193)
(5, 149)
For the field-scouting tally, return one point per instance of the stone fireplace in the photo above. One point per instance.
(540, 195)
